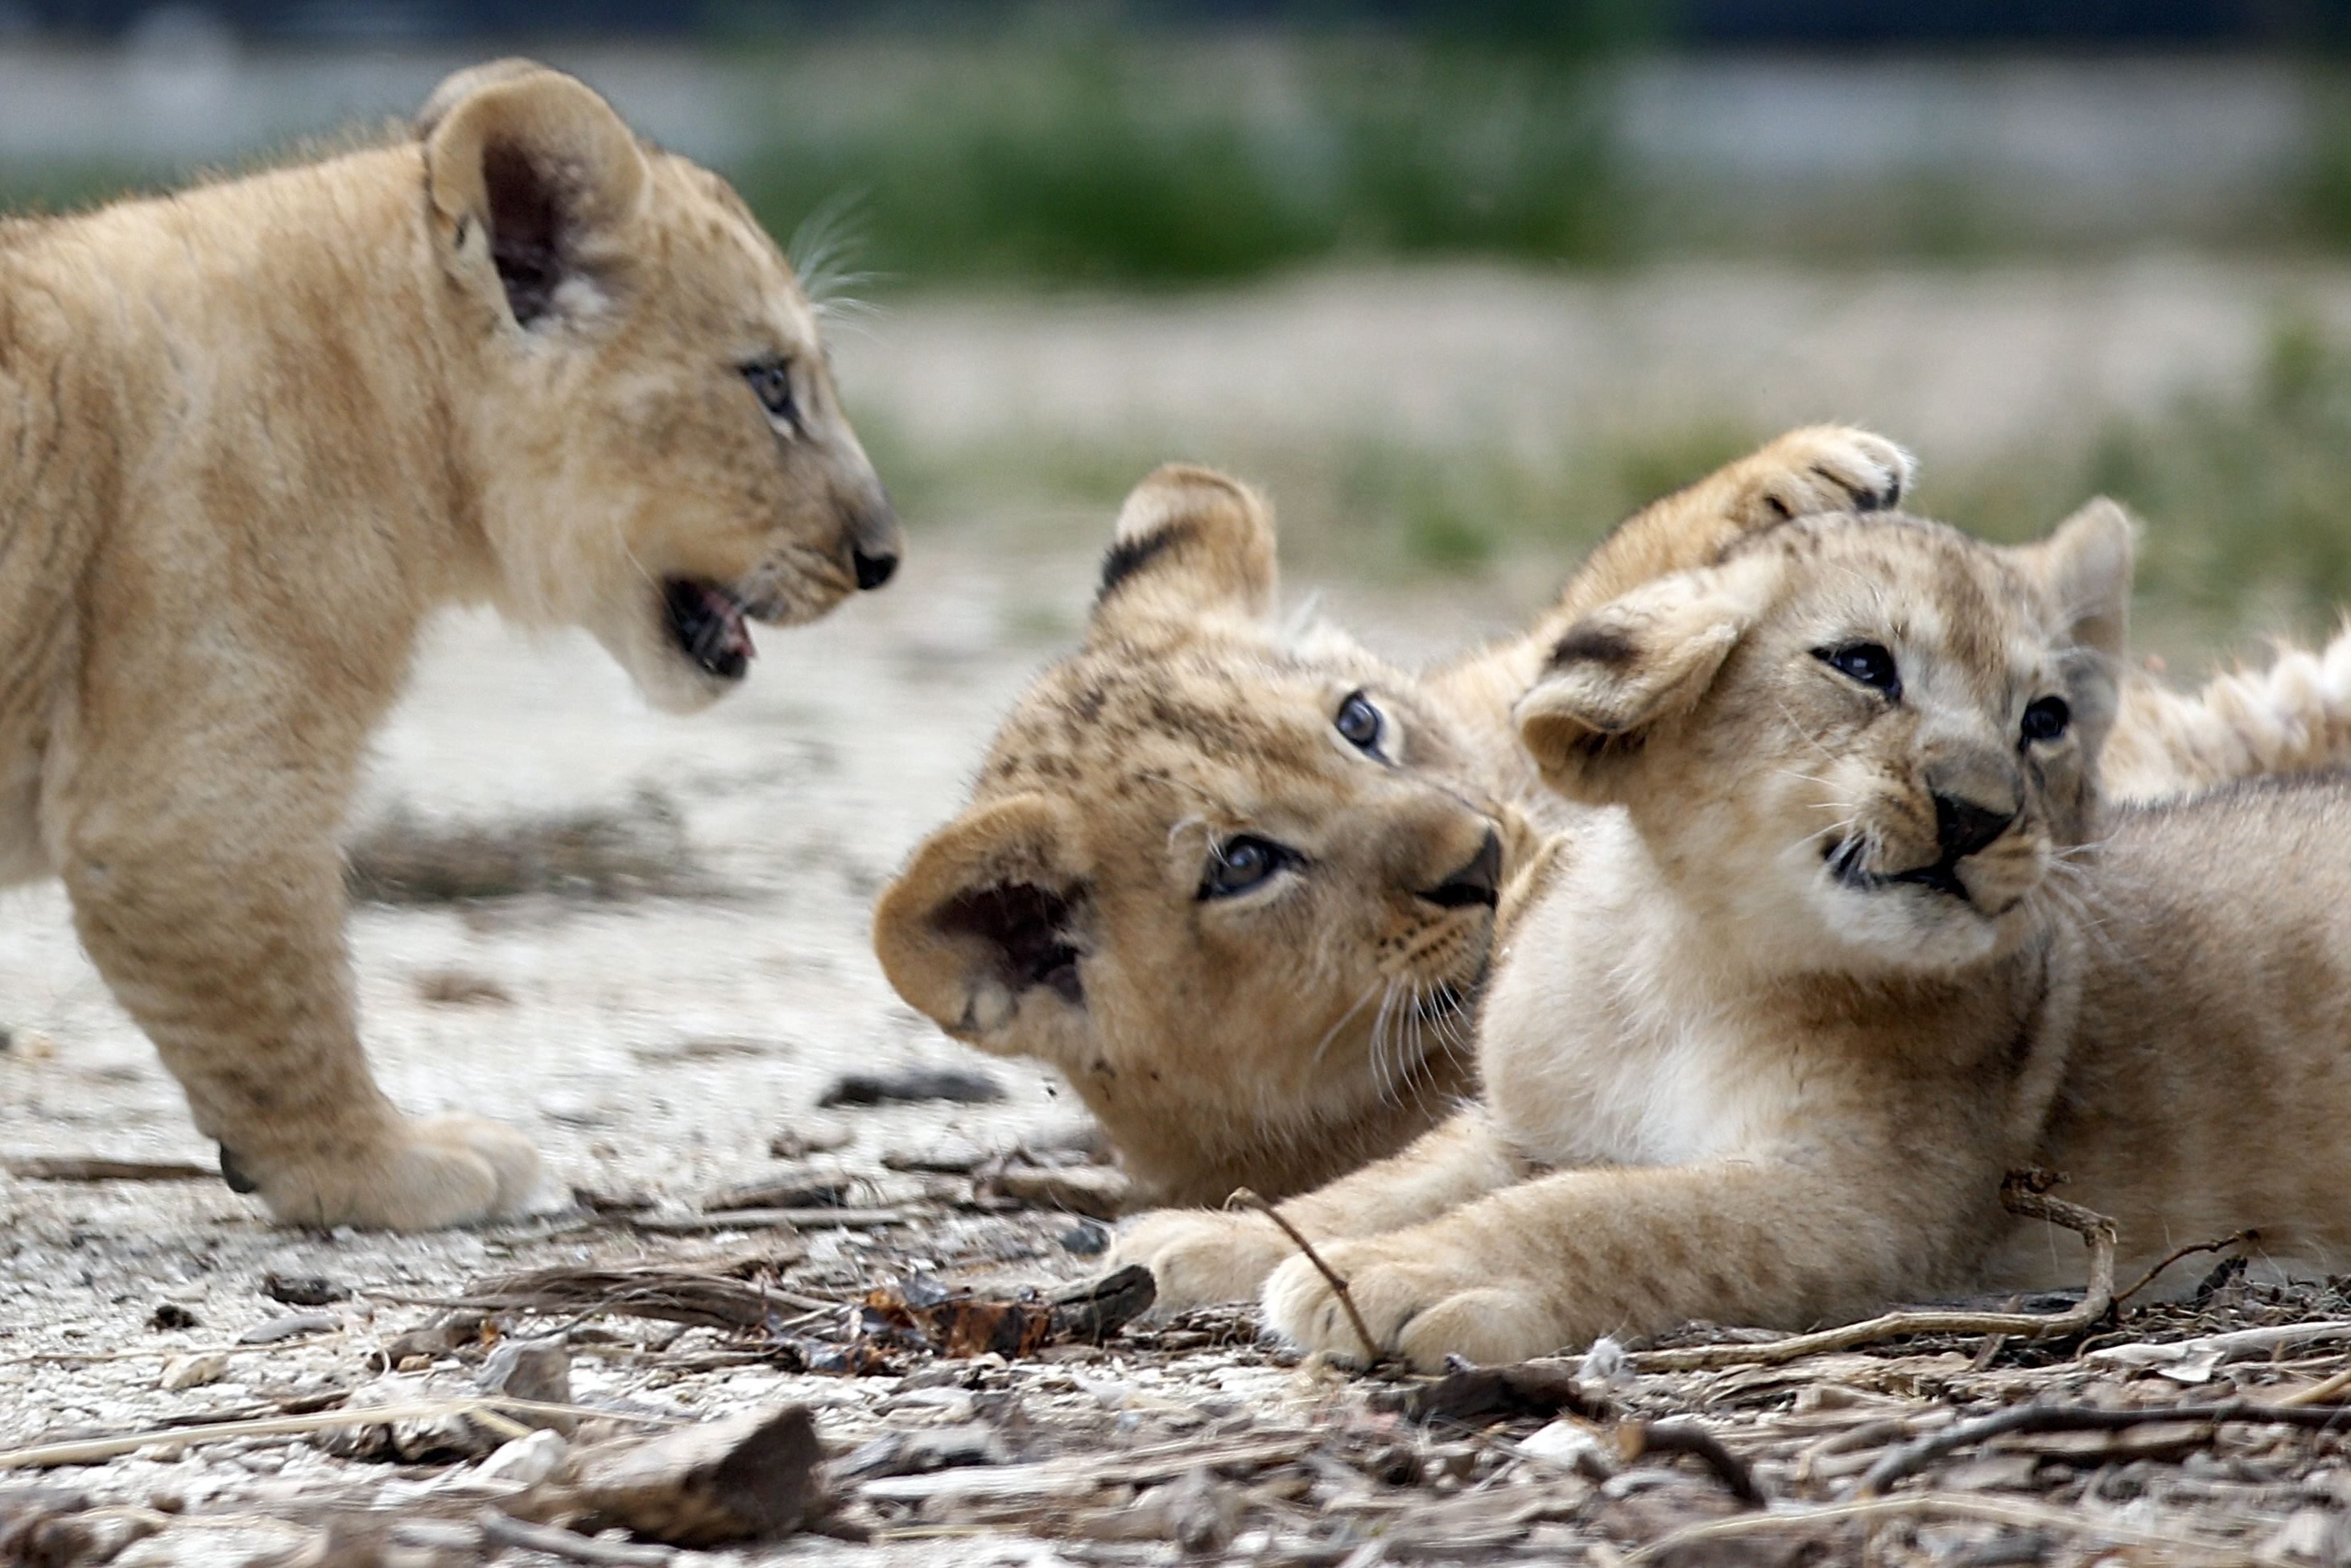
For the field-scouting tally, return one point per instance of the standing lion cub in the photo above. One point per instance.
(1849, 937)
(252, 434)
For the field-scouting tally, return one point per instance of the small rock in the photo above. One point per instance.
(1098, 1192)
(809, 1137)
(539, 1370)
(792, 1188)
(910, 1087)
(918, 1453)
(28, 1045)
(748, 1477)
(461, 989)
(302, 1289)
(1085, 1241)
(1571, 1445)
(169, 1315)
(293, 1325)
(526, 1461)
(195, 1371)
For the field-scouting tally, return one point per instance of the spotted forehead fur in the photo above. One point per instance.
(1127, 716)
(1930, 584)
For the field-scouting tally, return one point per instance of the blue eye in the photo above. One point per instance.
(1868, 663)
(1242, 862)
(2046, 718)
(771, 380)
(1359, 722)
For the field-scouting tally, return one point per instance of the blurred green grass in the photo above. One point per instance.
(2246, 497)
(1111, 163)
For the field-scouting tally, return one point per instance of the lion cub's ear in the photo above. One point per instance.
(2087, 566)
(1635, 662)
(1190, 542)
(981, 921)
(533, 178)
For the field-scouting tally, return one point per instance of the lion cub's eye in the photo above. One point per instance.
(1242, 862)
(1359, 722)
(2046, 718)
(1868, 663)
(771, 379)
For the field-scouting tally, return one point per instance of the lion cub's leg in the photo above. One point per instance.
(1557, 1261)
(209, 893)
(1200, 1255)
(1817, 468)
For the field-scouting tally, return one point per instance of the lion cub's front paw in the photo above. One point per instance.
(421, 1176)
(1418, 1305)
(1825, 468)
(1199, 1256)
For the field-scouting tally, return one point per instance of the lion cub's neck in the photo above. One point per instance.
(283, 335)
(1629, 1027)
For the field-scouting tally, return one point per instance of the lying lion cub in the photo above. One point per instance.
(1238, 882)
(252, 434)
(1850, 940)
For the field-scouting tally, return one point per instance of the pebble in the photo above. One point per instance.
(293, 1325)
(526, 1461)
(195, 1371)
(1568, 1444)
(302, 1289)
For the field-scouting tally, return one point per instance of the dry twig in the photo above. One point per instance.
(2188, 1252)
(1245, 1199)
(505, 1530)
(1634, 1438)
(2018, 1195)
(90, 1167)
(1914, 1456)
(93, 1451)
(2018, 1513)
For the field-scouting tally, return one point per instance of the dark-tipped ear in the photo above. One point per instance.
(2086, 567)
(533, 175)
(981, 920)
(1632, 665)
(1190, 542)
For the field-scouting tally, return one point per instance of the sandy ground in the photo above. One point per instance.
(655, 1047)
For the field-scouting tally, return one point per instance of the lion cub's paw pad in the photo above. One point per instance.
(1838, 469)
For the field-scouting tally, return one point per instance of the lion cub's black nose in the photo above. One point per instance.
(1962, 827)
(1479, 882)
(872, 571)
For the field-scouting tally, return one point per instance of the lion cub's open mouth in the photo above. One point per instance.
(1845, 864)
(707, 623)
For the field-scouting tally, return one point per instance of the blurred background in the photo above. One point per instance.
(1459, 280)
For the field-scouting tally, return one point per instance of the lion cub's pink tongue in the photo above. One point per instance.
(733, 638)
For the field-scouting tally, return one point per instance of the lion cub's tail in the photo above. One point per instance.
(2292, 718)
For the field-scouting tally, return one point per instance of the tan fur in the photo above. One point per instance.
(1278, 1038)
(1736, 1070)
(249, 436)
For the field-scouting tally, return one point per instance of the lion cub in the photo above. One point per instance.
(1850, 939)
(252, 434)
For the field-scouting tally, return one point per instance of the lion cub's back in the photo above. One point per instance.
(2211, 1087)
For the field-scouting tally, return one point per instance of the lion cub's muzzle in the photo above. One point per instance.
(875, 543)
(1966, 825)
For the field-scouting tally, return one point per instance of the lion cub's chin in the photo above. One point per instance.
(665, 675)
(1910, 929)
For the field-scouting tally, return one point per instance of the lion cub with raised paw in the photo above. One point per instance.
(252, 434)
(1851, 939)
(1238, 880)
